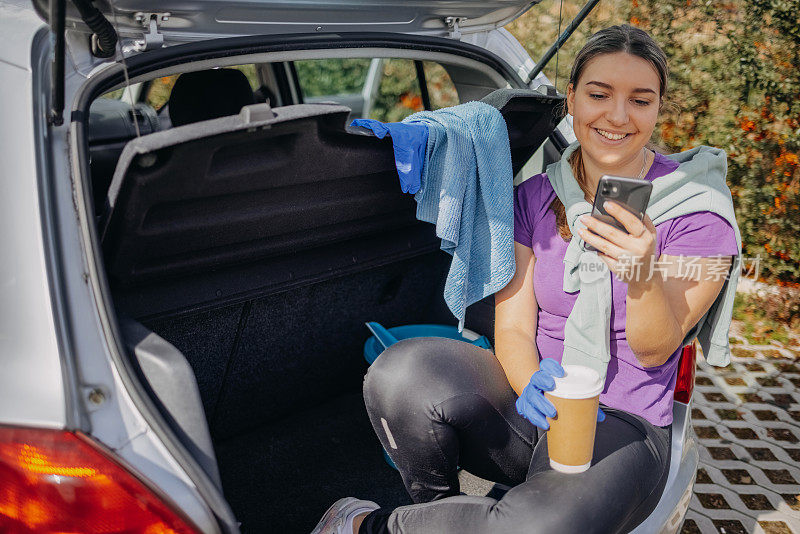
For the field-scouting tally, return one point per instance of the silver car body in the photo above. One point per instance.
(62, 367)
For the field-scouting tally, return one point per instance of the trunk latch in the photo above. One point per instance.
(453, 26)
(151, 22)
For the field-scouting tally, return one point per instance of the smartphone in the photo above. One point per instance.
(631, 193)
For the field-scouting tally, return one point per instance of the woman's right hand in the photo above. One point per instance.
(532, 404)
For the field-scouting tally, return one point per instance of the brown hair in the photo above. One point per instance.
(621, 38)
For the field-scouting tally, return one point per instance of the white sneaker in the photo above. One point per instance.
(339, 517)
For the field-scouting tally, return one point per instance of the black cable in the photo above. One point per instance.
(104, 38)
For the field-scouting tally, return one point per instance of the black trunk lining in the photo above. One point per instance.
(266, 293)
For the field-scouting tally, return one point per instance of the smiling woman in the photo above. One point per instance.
(487, 413)
(615, 106)
(616, 89)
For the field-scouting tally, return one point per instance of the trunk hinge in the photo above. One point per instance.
(151, 22)
(453, 26)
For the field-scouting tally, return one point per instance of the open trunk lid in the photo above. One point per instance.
(205, 19)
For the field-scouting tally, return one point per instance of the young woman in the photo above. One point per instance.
(436, 404)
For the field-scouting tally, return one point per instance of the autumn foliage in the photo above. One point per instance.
(734, 83)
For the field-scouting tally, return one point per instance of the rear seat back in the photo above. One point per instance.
(279, 192)
(289, 195)
(208, 94)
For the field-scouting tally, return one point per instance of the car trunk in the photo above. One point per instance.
(258, 245)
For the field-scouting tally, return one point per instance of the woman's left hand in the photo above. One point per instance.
(630, 256)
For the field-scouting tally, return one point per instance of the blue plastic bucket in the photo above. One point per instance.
(373, 348)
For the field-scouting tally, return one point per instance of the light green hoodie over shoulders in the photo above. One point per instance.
(698, 184)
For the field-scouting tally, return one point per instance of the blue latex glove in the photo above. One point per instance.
(533, 405)
(410, 141)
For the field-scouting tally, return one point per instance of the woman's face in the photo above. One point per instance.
(614, 106)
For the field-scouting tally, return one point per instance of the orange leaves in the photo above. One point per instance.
(634, 20)
(747, 125)
(411, 101)
(788, 161)
(668, 131)
(787, 283)
(778, 253)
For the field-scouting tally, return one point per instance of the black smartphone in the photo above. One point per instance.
(630, 193)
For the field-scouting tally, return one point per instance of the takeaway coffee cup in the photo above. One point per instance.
(570, 440)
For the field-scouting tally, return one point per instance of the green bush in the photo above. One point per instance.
(330, 77)
(769, 317)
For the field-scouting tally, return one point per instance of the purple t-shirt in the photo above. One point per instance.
(629, 386)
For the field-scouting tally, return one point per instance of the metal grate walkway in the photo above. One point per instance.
(747, 420)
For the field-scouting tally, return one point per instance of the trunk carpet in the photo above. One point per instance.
(283, 477)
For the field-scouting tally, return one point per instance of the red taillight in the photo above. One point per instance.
(56, 481)
(685, 381)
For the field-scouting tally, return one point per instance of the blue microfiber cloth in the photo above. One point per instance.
(409, 141)
(467, 192)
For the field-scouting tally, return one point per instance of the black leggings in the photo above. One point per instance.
(437, 403)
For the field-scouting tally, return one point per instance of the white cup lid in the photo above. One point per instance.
(578, 382)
